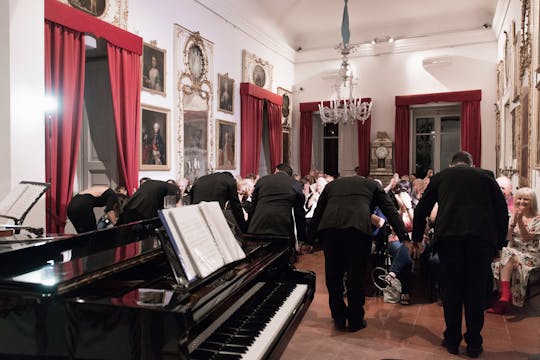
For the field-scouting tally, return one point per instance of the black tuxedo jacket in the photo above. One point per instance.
(219, 187)
(148, 199)
(471, 203)
(274, 199)
(348, 202)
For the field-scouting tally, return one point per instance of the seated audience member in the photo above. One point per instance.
(184, 185)
(147, 200)
(418, 187)
(522, 255)
(80, 209)
(401, 260)
(245, 189)
(220, 187)
(506, 187)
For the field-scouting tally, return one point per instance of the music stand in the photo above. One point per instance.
(20, 200)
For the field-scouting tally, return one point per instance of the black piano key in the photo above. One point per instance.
(236, 334)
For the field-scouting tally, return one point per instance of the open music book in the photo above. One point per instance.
(201, 238)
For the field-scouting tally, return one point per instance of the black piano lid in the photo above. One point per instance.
(58, 264)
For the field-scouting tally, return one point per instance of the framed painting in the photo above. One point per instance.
(225, 140)
(155, 128)
(153, 69)
(286, 109)
(256, 70)
(225, 93)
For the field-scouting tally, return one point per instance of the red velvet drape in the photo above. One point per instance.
(125, 76)
(471, 131)
(401, 130)
(306, 141)
(251, 127)
(364, 133)
(64, 80)
(471, 135)
(275, 134)
(252, 103)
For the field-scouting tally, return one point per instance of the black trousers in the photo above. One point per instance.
(465, 264)
(346, 251)
(80, 212)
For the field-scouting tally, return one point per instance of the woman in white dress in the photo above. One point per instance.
(522, 255)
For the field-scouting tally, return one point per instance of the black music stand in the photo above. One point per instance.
(19, 201)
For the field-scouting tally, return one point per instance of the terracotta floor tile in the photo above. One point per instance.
(405, 332)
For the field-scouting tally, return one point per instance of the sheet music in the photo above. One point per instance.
(20, 199)
(227, 243)
(196, 239)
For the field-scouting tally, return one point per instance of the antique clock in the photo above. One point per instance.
(382, 161)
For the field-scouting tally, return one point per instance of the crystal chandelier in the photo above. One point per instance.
(346, 108)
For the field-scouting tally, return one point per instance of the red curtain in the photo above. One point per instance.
(364, 133)
(401, 130)
(64, 80)
(274, 133)
(125, 76)
(251, 127)
(471, 135)
(306, 141)
(471, 132)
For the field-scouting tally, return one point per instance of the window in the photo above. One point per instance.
(435, 137)
(331, 148)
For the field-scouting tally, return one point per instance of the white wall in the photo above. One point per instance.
(156, 23)
(384, 77)
(23, 40)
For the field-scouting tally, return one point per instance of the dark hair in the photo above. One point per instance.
(401, 186)
(462, 157)
(121, 201)
(286, 168)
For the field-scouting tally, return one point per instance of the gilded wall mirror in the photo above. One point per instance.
(193, 100)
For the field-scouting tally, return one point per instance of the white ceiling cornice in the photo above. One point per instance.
(403, 45)
(500, 14)
(224, 11)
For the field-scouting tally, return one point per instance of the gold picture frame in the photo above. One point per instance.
(225, 93)
(153, 67)
(256, 70)
(155, 148)
(286, 109)
(226, 145)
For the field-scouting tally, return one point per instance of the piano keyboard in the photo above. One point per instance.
(250, 331)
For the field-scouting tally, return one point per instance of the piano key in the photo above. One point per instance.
(286, 311)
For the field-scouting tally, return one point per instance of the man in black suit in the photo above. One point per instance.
(147, 200)
(219, 187)
(343, 222)
(274, 200)
(471, 225)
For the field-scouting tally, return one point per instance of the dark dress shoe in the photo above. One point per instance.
(353, 326)
(339, 324)
(451, 348)
(474, 351)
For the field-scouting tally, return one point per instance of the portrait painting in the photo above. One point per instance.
(286, 107)
(226, 137)
(256, 70)
(153, 69)
(93, 7)
(155, 129)
(226, 93)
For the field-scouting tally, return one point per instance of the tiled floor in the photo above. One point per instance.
(395, 331)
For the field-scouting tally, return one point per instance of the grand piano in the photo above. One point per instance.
(119, 294)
